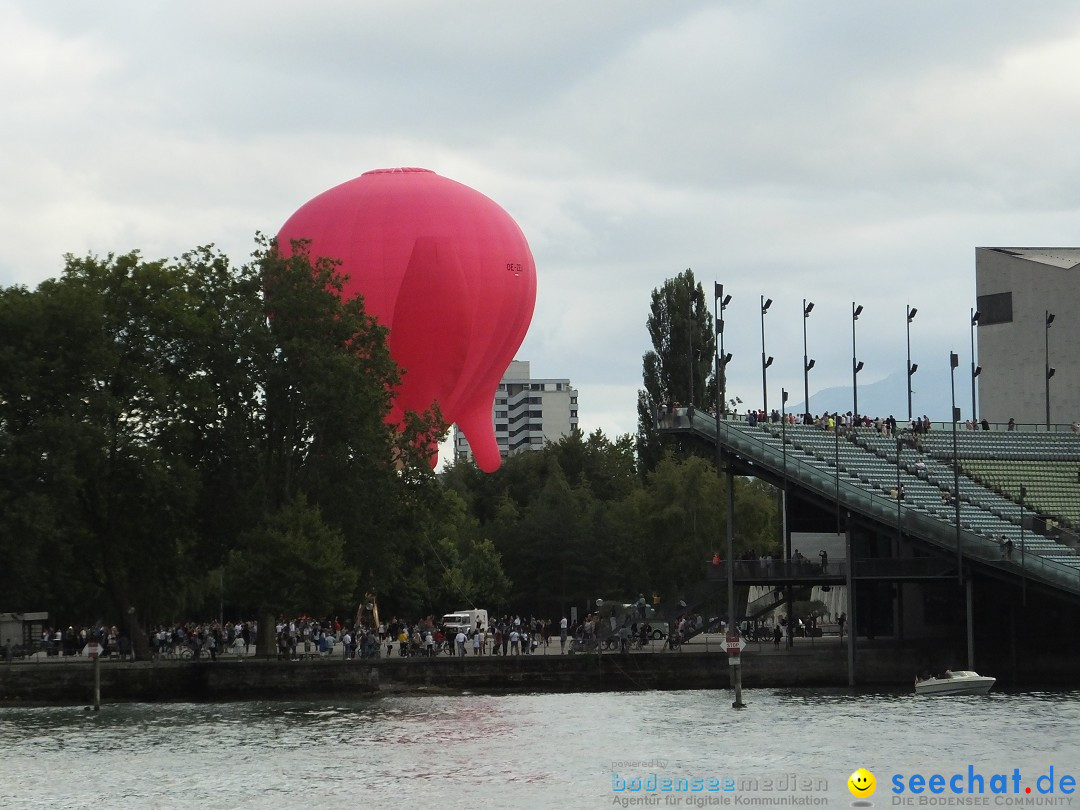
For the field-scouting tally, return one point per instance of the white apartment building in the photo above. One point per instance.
(527, 413)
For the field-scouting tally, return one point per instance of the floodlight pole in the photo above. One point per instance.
(807, 308)
(1049, 371)
(690, 351)
(954, 361)
(975, 315)
(910, 370)
(856, 311)
(720, 303)
(765, 304)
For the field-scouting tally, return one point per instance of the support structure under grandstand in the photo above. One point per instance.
(993, 576)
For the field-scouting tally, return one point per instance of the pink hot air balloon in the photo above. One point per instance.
(446, 270)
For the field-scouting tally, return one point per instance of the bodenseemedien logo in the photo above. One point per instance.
(778, 790)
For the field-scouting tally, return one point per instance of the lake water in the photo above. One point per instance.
(539, 751)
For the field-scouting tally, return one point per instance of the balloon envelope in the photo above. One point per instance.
(449, 273)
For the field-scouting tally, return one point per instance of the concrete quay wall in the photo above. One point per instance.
(71, 682)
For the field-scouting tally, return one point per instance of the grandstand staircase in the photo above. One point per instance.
(768, 601)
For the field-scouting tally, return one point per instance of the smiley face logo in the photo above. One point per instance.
(862, 783)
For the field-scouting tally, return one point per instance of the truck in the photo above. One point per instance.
(467, 619)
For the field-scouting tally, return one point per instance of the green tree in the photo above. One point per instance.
(101, 395)
(152, 412)
(328, 377)
(684, 519)
(292, 563)
(547, 552)
(680, 367)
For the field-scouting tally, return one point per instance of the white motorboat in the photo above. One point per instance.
(958, 682)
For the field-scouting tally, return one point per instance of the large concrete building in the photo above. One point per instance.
(1019, 290)
(527, 413)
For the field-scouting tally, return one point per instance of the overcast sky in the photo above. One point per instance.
(836, 151)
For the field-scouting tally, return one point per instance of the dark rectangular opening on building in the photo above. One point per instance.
(995, 308)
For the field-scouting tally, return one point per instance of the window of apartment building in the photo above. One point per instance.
(573, 414)
(573, 400)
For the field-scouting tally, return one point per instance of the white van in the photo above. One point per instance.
(466, 620)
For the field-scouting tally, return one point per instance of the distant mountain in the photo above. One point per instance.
(889, 397)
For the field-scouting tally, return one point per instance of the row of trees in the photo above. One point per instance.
(579, 521)
(183, 437)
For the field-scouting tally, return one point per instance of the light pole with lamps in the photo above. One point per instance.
(765, 304)
(721, 375)
(911, 369)
(694, 298)
(1049, 371)
(856, 366)
(954, 362)
(807, 308)
(975, 370)
(719, 302)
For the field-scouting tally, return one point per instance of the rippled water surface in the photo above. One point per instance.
(557, 751)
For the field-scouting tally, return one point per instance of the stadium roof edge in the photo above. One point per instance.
(1067, 258)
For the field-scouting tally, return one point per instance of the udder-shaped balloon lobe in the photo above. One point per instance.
(447, 270)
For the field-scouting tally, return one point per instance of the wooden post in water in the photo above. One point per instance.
(97, 683)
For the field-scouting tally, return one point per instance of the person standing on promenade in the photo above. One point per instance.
(562, 635)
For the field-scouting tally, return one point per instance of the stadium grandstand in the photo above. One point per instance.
(1001, 521)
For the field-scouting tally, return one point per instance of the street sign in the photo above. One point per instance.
(733, 660)
(93, 649)
(735, 644)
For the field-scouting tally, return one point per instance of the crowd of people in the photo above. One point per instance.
(305, 636)
(509, 635)
(669, 415)
(309, 637)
